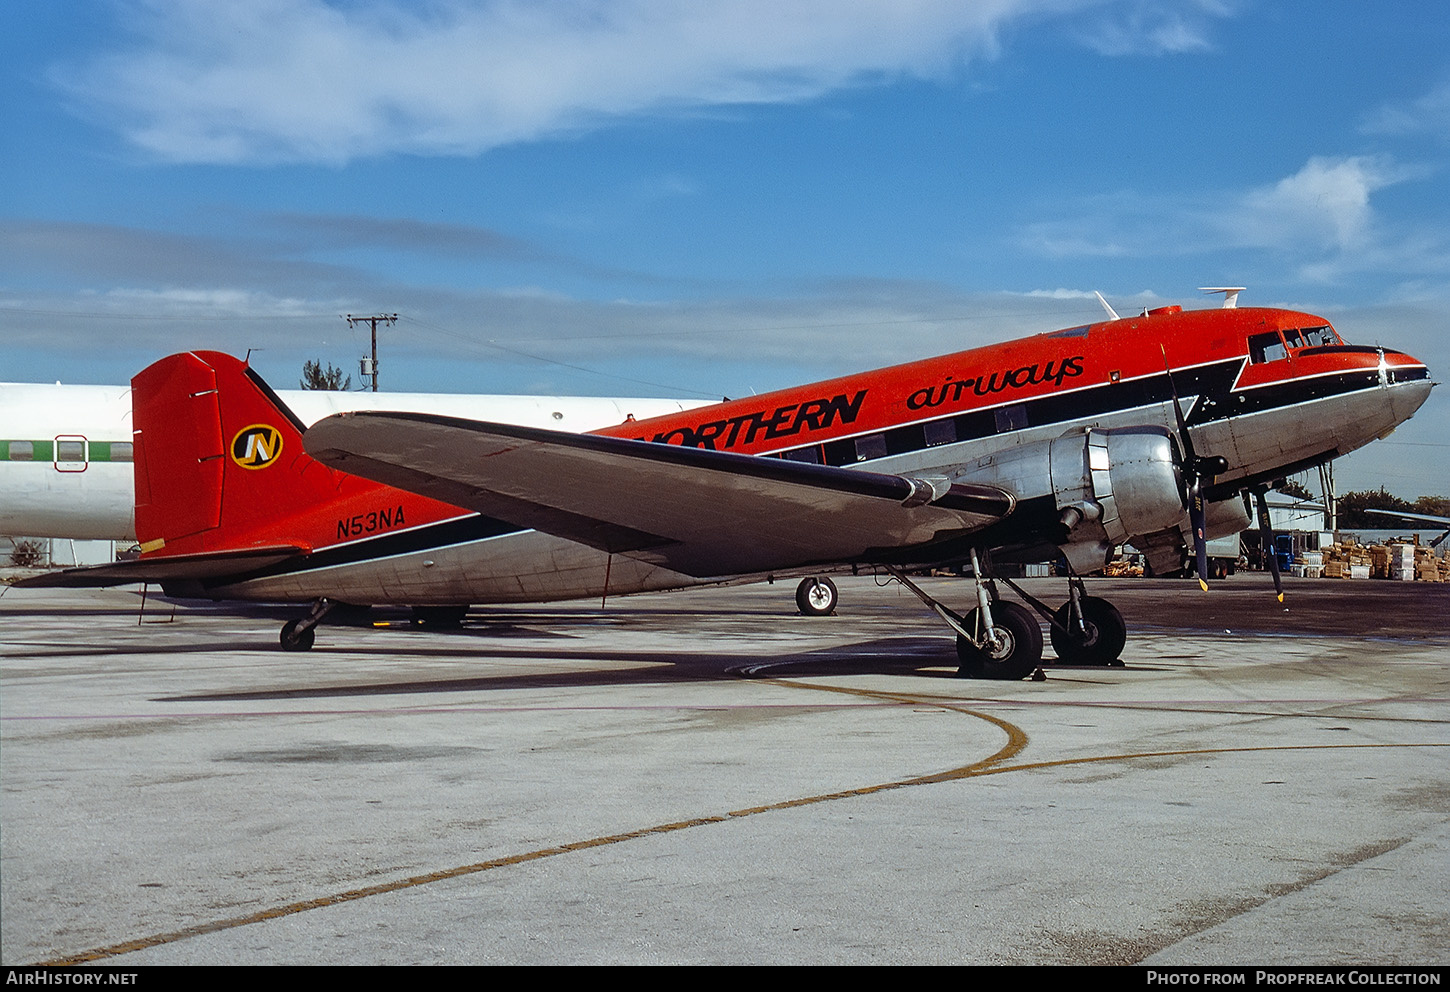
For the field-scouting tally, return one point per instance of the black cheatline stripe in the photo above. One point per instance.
(425, 538)
(1213, 384)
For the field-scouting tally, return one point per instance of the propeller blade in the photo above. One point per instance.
(1198, 518)
(1190, 460)
(1194, 469)
(1266, 542)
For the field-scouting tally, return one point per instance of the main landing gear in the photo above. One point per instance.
(1087, 630)
(1002, 640)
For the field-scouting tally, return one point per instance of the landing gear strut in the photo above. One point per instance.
(1011, 647)
(1085, 630)
(997, 640)
(1094, 637)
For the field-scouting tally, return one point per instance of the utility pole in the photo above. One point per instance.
(370, 366)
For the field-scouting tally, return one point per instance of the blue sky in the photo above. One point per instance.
(672, 198)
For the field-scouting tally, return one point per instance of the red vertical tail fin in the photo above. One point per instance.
(220, 467)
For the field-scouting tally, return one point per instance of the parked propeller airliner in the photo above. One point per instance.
(1151, 429)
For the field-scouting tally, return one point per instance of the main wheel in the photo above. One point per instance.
(1106, 633)
(816, 597)
(1018, 650)
(295, 640)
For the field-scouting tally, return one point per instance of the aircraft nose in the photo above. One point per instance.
(1407, 397)
(1408, 384)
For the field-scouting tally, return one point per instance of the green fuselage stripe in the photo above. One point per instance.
(44, 450)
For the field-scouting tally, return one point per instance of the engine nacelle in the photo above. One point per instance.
(1168, 549)
(1100, 487)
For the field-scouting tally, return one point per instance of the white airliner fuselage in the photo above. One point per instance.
(66, 451)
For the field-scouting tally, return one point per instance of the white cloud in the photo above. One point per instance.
(1429, 114)
(1320, 220)
(1326, 203)
(312, 80)
(1146, 28)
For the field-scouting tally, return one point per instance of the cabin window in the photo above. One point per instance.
(811, 455)
(70, 454)
(112, 451)
(1011, 418)
(869, 447)
(940, 432)
(1267, 348)
(900, 440)
(22, 451)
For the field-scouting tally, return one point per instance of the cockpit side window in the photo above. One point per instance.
(1268, 347)
(1316, 336)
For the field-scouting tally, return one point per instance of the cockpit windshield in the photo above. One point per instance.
(1272, 346)
(1310, 337)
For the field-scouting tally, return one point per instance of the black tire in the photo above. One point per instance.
(294, 640)
(1106, 633)
(1019, 654)
(816, 597)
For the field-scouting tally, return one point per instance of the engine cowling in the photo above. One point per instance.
(1090, 491)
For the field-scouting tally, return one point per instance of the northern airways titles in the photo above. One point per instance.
(822, 414)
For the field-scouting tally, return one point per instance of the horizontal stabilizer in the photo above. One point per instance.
(704, 513)
(165, 569)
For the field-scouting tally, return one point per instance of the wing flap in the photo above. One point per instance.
(704, 513)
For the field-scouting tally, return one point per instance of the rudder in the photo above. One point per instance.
(219, 459)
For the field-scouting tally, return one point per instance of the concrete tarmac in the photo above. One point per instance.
(706, 777)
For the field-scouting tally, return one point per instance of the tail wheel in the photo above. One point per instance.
(1106, 633)
(297, 640)
(1013, 653)
(816, 597)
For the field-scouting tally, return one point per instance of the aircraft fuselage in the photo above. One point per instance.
(1269, 391)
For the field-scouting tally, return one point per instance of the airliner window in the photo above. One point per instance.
(1267, 348)
(22, 451)
(811, 455)
(940, 432)
(70, 451)
(1011, 418)
(122, 451)
(1294, 338)
(1317, 336)
(869, 447)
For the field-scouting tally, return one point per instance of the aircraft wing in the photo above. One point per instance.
(1427, 518)
(168, 568)
(703, 513)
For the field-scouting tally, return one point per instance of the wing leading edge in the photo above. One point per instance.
(703, 513)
